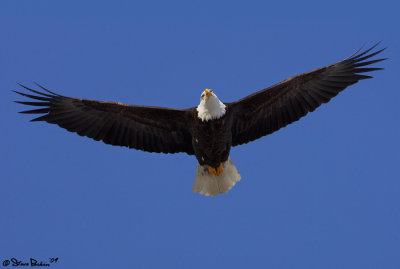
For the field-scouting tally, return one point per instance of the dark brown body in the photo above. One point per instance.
(212, 139)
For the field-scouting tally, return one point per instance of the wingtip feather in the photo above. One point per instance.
(41, 118)
(43, 88)
(36, 111)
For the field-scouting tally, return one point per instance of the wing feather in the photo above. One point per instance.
(152, 129)
(268, 110)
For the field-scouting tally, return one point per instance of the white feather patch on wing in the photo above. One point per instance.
(211, 185)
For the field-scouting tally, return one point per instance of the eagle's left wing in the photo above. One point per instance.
(152, 129)
(268, 110)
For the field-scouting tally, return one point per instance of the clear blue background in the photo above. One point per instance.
(320, 193)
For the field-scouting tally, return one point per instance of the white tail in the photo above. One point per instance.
(207, 184)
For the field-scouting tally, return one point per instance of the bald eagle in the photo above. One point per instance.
(209, 130)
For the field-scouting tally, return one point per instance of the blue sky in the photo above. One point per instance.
(320, 193)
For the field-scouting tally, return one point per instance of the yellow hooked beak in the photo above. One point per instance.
(208, 92)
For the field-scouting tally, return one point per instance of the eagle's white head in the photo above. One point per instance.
(210, 106)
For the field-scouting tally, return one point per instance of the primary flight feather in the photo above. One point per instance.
(209, 130)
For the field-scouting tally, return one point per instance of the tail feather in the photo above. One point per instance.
(207, 184)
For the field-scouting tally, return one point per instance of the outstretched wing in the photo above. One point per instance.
(268, 110)
(153, 129)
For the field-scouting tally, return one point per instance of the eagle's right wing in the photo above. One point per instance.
(152, 129)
